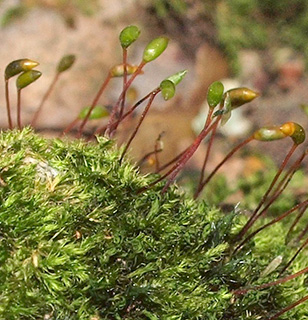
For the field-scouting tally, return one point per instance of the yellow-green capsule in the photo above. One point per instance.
(17, 66)
(269, 134)
(294, 131)
(154, 49)
(167, 88)
(118, 70)
(240, 96)
(27, 78)
(66, 62)
(98, 112)
(129, 35)
(215, 94)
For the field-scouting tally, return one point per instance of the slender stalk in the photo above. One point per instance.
(271, 284)
(166, 165)
(93, 104)
(144, 113)
(8, 108)
(109, 129)
(291, 306)
(282, 186)
(70, 126)
(188, 154)
(182, 159)
(124, 53)
(126, 114)
(286, 179)
(299, 238)
(227, 157)
(255, 214)
(18, 108)
(146, 156)
(45, 97)
(294, 257)
(296, 220)
(157, 150)
(239, 246)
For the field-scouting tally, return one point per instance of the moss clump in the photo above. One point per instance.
(79, 242)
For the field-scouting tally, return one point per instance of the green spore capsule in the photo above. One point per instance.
(155, 48)
(177, 77)
(17, 66)
(269, 134)
(240, 96)
(27, 78)
(97, 113)
(129, 35)
(167, 89)
(66, 62)
(215, 94)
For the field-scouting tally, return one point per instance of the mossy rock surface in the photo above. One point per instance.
(77, 241)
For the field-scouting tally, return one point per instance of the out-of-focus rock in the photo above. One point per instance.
(252, 71)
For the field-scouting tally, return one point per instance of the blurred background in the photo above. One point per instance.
(261, 44)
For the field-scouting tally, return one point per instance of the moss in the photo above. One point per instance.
(78, 241)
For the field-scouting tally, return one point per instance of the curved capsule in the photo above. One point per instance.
(118, 70)
(154, 49)
(66, 62)
(17, 66)
(167, 88)
(129, 35)
(240, 96)
(215, 94)
(294, 131)
(98, 112)
(269, 134)
(27, 78)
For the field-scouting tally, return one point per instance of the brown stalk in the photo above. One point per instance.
(45, 97)
(8, 108)
(255, 214)
(144, 113)
(304, 203)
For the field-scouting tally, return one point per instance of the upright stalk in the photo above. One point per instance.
(109, 128)
(255, 214)
(45, 97)
(227, 157)
(93, 104)
(8, 108)
(144, 113)
(124, 54)
(18, 108)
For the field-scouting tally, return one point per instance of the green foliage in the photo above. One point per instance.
(78, 241)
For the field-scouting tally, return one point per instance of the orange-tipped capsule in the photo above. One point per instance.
(294, 131)
(154, 49)
(129, 35)
(118, 70)
(240, 96)
(66, 62)
(17, 66)
(27, 78)
(269, 134)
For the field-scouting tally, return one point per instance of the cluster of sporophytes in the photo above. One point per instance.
(85, 236)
